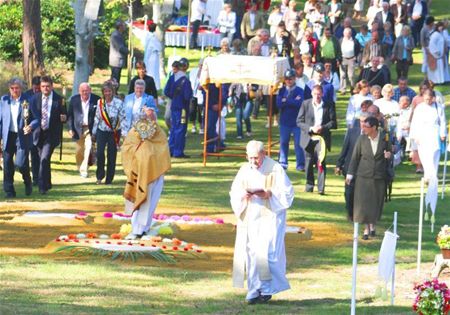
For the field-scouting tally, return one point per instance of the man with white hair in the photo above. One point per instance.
(260, 194)
(16, 140)
(80, 120)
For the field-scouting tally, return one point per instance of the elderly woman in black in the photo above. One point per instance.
(368, 168)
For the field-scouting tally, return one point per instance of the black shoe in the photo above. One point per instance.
(365, 237)
(28, 189)
(253, 301)
(42, 191)
(321, 193)
(10, 195)
(310, 190)
(264, 298)
(373, 233)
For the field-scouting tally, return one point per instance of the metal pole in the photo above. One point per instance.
(419, 241)
(219, 120)
(393, 270)
(355, 264)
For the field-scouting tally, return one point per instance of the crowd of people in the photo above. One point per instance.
(327, 55)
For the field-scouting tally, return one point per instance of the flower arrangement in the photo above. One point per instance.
(433, 298)
(443, 238)
(125, 229)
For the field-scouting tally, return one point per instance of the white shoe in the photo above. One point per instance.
(275, 123)
(84, 175)
(201, 132)
(267, 125)
(194, 130)
(131, 237)
(239, 137)
(248, 134)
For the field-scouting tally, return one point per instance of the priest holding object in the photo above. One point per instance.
(260, 194)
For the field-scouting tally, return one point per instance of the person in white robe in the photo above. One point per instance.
(260, 194)
(361, 91)
(436, 49)
(389, 107)
(152, 53)
(428, 128)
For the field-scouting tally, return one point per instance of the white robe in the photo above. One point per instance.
(354, 107)
(427, 126)
(261, 228)
(141, 219)
(436, 48)
(152, 50)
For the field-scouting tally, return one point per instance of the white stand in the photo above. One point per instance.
(419, 242)
(355, 263)
(393, 270)
(444, 172)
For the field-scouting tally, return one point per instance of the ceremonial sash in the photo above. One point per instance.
(107, 120)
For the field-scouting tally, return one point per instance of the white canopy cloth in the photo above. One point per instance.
(244, 69)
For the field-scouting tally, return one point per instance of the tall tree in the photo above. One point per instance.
(86, 27)
(33, 57)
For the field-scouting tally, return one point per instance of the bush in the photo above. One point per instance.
(58, 31)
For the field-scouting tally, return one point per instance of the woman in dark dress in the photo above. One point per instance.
(368, 168)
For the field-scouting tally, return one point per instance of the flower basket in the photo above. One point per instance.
(443, 240)
(445, 253)
(433, 298)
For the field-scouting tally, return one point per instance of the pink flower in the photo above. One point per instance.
(107, 215)
(220, 221)
(186, 217)
(82, 214)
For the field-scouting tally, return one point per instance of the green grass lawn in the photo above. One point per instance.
(320, 277)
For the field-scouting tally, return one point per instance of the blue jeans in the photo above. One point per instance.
(211, 132)
(285, 137)
(177, 139)
(243, 113)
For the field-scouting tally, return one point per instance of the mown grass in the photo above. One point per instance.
(320, 278)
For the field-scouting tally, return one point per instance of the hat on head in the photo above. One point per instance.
(319, 67)
(289, 74)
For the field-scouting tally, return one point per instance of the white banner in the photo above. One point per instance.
(244, 69)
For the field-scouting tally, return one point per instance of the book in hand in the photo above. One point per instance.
(254, 190)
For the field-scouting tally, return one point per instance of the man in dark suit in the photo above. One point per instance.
(49, 114)
(384, 16)
(118, 51)
(14, 116)
(400, 13)
(80, 118)
(418, 11)
(34, 154)
(316, 118)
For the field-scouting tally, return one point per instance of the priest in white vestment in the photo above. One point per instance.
(260, 194)
(436, 49)
(152, 52)
(428, 127)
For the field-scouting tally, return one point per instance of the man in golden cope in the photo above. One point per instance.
(145, 158)
(260, 194)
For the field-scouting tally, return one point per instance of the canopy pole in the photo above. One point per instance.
(219, 120)
(269, 140)
(205, 126)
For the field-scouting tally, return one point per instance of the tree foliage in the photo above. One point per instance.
(58, 31)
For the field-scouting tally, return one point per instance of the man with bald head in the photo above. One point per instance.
(81, 116)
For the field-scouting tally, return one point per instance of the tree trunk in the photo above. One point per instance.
(163, 21)
(84, 33)
(33, 59)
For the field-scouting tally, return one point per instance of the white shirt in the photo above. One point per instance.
(374, 143)
(252, 20)
(384, 16)
(85, 109)
(348, 48)
(198, 10)
(137, 106)
(318, 113)
(417, 9)
(14, 115)
(301, 82)
(50, 101)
